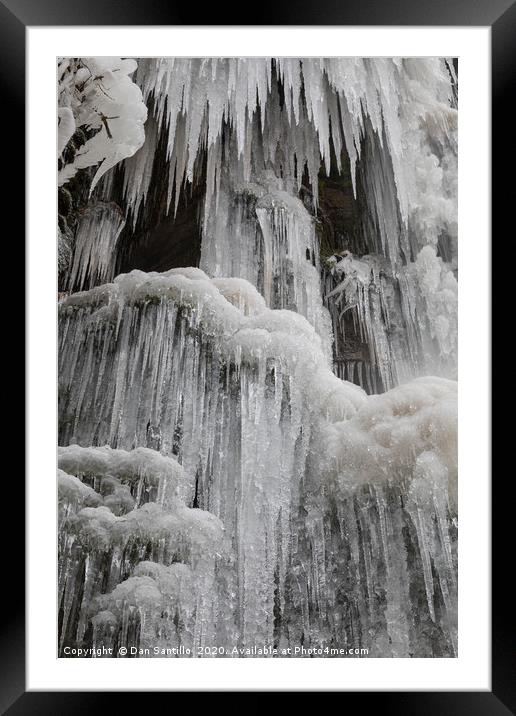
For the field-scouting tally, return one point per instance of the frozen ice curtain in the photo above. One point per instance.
(258, 453)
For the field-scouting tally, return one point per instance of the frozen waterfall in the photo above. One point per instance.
(259, 452)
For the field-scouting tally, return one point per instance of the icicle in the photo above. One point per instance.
(391, 98)
(94, 252)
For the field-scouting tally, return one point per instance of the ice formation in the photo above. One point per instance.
(223, 479)
(326, 101)
(95, 245)
(275, 440)
(262, 130)
(103, 555)
(421, 298)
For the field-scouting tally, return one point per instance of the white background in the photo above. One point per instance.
(471, 670)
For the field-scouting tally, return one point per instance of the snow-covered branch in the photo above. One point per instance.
(97, 95)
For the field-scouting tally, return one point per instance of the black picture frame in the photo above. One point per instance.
(500, 15)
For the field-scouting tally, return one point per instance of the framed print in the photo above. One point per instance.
(265, 387)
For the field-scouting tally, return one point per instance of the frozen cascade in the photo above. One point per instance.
(263, 125)
(219, 485)
(260, 129)
(320, 489)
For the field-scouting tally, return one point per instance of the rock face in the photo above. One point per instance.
(249, 456)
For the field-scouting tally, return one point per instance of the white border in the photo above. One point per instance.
(471, 670)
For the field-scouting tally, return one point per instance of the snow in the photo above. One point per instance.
(73, 495)
(142, 469)
(391, 430)
(97, 93)
(242, 294)
(190, 535)
(65, 128)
